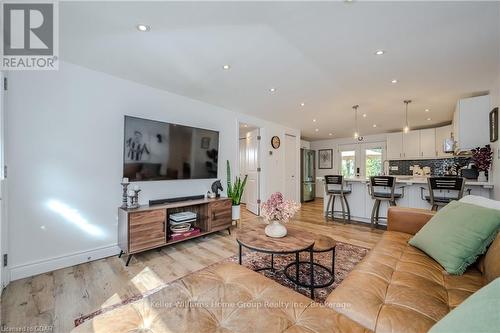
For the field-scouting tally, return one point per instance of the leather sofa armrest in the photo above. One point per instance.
(408, 220)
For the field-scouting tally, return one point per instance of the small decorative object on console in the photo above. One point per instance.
(134, 197)
(276, 211)
(482, 157)
(124, 184)
(216, 187)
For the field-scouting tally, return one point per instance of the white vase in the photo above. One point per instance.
(482, 177)
(275, 230)
(235, 212)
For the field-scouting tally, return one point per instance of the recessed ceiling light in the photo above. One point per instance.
(374, 125)
(226, 67)
(317, 129)
(427, 110)
(245, 125)
(314, 120)
(429, 119)
(272, 89)
(364, 115)
(379, 52)
(302, 104)
(394, 81)
(330, 134)
(143, 27)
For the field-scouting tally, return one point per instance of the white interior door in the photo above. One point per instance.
(243, 164)
(4, 279)
(291, 172)
(252, 170)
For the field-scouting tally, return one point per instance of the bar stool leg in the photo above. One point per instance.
(377, 214)
(333, 207)
(343, 208)
(328, 205)
(348, 210)
(374, 209)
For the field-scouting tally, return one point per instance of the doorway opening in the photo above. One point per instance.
(249, 158)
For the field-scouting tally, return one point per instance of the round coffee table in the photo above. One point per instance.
(296, 241)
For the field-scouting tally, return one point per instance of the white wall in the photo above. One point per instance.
(495, 102)
(334, 144)
(64, 146)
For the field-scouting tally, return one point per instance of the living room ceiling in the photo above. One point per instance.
(320, 55)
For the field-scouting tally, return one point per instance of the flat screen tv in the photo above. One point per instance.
(155, 150)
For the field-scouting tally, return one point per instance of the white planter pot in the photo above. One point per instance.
(275, 230)
(235, 212)
(482, 177)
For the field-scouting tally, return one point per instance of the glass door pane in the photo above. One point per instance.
(373, 162)
(348, 163)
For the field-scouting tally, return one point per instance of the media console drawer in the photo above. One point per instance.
(147, 230)
(219, 213)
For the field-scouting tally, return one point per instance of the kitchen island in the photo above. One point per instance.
(361, 203)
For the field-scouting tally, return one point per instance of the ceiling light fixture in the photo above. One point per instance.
(245, 125)
(302, 104)
(379, 52)
(394, 81)
(406, 129)
(364, 115)
(356, 129)
(317, 129)
(272, 90)
(143, 27)
(427, 110)
(226, 67)
(429, 119)
(374, 125)
(330, 134)
(314, 120)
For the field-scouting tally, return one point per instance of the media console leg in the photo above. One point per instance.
(120, 255)
(229, 231)
(128, 259)
(239, 260)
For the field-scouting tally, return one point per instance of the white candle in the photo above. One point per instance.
(125, 180)
(136, 187)
(131, 193)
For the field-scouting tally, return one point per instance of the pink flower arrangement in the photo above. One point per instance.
(276, 208)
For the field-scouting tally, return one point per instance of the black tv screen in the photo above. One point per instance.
(155, 150)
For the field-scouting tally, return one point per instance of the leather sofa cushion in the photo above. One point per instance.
(491, 262)
(224, 298)
(398, 288)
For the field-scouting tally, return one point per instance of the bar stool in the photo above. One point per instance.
(455, 184)
(334, 187)
(381, 188)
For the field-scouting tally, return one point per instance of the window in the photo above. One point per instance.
(348, 163)
(373, 162)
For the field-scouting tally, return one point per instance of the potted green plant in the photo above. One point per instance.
(235, 191)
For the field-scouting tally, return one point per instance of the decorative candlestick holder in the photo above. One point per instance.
(124, 195)
(134, 198)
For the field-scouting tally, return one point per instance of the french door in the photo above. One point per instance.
(361, 159)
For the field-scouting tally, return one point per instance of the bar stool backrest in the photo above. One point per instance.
(333, 180)
(387, 182)
(446, 183)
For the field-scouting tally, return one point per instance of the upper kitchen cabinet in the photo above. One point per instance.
(411, 145)
(443, 133)
(394, 146)
(470, 123)
(428, 143)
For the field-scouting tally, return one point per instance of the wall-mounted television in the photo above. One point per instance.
(155, 150)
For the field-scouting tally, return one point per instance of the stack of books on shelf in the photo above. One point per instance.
(182, 225)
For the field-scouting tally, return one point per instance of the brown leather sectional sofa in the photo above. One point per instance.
(396, 288)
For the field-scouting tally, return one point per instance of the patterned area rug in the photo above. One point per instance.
(346, 257)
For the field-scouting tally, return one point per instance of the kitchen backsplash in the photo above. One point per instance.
(438, 167)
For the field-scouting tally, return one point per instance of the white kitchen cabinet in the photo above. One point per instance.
(394, 146)
(471, 123)
(428, 142)
(411, 145)
(443, 133)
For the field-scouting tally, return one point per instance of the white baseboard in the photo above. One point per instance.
(48, 265)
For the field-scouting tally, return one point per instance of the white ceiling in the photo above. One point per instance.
(318, 53)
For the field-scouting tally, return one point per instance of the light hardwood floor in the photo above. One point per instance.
(57, 298)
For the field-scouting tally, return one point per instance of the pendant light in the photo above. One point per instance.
(356, 128)
(406, 129)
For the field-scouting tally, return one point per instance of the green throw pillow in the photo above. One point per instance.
(478, 313)
(458, 234)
